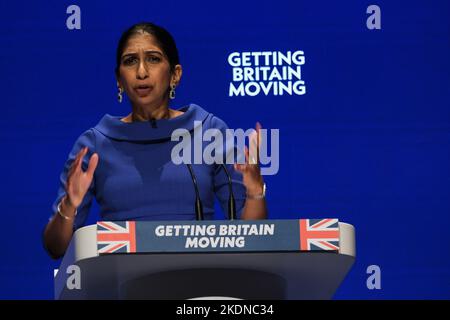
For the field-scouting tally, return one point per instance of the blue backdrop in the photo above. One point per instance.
(369, 142)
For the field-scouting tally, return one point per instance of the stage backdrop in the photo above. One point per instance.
(362, 108)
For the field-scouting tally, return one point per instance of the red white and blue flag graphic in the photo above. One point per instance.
(319, 234)
(116, 237)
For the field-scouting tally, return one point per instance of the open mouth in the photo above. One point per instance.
(143, 90)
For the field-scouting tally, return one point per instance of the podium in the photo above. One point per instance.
(158, 263)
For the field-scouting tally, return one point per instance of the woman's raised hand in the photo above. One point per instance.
(78, 181)
(251, 172)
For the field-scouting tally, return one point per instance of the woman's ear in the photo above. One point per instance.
(119, 85)
(118, 82)
(176, 74)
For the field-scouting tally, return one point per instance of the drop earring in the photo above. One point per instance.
(119, 95)
(172, 91)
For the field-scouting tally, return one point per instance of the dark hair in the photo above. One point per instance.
(163, 38)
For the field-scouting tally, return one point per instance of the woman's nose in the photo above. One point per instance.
(142, 71)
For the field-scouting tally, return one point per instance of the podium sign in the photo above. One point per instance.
(218, 236)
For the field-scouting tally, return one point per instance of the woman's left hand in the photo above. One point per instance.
(251, 172)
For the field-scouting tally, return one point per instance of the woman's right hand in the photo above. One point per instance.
(78, 181)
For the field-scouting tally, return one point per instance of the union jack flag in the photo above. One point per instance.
(319, 234)
(116, 237)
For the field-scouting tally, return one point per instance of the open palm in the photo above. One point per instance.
(78, 181)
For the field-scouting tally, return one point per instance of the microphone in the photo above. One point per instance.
(153, 122)
(198, 202)
(231, 201)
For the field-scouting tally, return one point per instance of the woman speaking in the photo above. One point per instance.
(125, 161)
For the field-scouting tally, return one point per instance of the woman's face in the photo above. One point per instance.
(144, 72)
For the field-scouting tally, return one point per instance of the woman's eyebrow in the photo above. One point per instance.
(146, 52)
